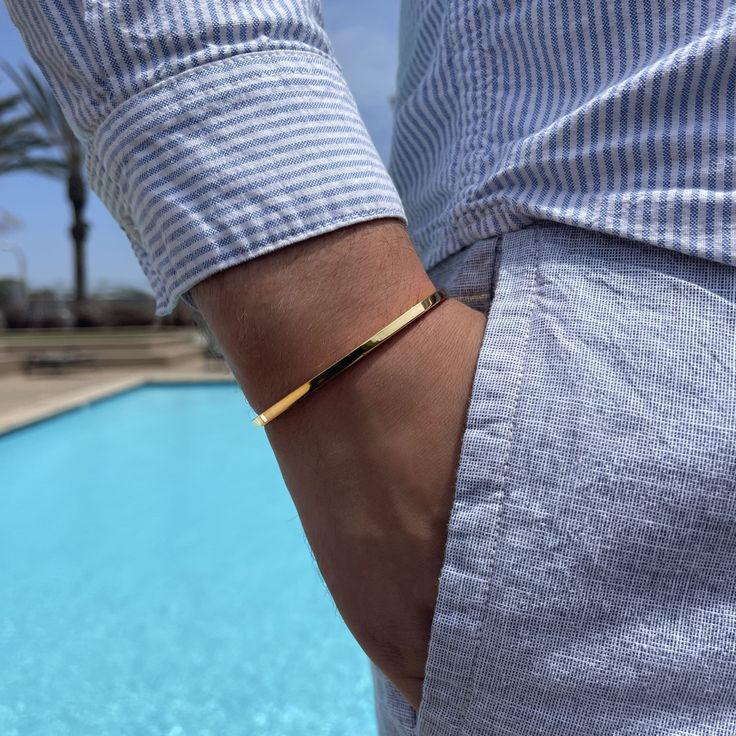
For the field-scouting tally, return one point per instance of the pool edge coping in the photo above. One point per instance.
(50, 408)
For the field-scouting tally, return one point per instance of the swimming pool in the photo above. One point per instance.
(154, 580)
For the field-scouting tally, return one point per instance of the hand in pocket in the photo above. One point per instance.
(370, 461)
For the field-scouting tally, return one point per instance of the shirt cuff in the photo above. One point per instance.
(233, 159)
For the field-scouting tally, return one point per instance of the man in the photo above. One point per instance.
(566, 469)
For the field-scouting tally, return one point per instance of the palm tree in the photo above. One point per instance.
(48, 124)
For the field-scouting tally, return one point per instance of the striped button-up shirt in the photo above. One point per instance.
(219, 130)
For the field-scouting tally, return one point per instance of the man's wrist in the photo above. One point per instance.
(286, 315)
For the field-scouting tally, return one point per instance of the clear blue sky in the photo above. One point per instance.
(364, 36)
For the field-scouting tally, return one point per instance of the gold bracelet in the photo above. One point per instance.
(351, 358)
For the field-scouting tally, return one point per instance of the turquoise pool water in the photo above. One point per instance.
(154, 580)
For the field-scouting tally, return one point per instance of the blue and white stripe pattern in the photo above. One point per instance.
(618, 117)
(220, 130)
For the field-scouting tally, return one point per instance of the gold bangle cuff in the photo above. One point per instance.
(398, 324)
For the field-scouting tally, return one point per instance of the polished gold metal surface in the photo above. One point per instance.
(351, 358)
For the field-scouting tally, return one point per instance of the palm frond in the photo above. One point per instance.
(9, 103)
(23, 145)
(39, 165)
(38, 99)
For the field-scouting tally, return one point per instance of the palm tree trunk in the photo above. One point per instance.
(78, 197)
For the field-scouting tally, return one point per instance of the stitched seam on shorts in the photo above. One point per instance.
(533, 300)
(476, 622)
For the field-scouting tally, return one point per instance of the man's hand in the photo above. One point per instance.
(370, 459)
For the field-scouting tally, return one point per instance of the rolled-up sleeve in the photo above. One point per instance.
(214, 131)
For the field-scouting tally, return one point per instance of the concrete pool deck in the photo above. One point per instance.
(27, 399)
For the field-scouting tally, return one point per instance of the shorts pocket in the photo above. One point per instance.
(468, 276)
(502, 285)
(480, 484)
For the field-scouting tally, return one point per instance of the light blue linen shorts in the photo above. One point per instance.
(589, 582)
